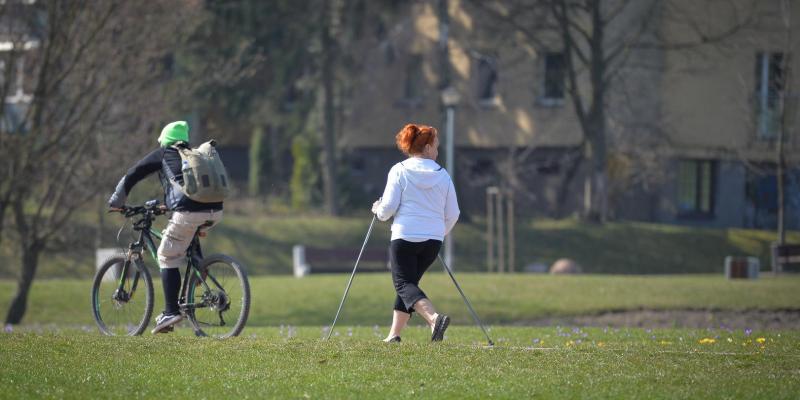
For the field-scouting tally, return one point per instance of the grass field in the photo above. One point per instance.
(264, 244)
(499, 299)
(58, 353)
(525, 363)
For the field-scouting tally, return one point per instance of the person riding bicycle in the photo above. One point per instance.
(188, 215)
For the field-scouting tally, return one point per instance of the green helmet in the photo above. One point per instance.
(174, 132)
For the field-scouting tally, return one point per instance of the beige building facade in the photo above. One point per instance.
(713, 111)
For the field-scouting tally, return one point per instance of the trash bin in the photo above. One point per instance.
(742, 267)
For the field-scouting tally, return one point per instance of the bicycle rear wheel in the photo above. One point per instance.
(122, 304)
(221, 309)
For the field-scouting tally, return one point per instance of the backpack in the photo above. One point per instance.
(204, 177)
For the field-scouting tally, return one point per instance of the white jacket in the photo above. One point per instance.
(420, 195)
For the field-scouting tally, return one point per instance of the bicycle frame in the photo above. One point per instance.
(145, 240)
(202, 297)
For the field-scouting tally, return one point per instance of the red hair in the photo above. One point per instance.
(413, 138)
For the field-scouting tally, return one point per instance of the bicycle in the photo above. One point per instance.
(207, 295)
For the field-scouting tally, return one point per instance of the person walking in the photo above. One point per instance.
(188, 215)
(420, 195)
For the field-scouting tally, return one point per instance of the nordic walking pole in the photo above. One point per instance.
(471, 310)
(350, 282)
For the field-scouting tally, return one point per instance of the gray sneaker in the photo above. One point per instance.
(440, 325)
(165, 322)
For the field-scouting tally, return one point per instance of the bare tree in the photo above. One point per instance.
(330, 19)
(788, 113)
(598, 40)
(771, 112)
(97, 77)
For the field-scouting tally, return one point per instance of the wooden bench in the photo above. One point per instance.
(307, 260)
(786, 258)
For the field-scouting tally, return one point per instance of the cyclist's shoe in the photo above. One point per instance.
(165, 322)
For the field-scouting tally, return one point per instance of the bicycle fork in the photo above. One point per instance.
(120, 294)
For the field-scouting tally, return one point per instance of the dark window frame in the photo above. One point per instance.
(778, 62)
(697, 212)
(413, 83)
(553, 79)
(487, 76)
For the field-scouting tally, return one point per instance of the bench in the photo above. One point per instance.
(307, 260)
(786, 258)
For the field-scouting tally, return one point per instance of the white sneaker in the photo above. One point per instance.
(165, 322)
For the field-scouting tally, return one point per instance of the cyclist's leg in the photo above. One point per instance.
(176, 239)
(171, 256)
(212, 218)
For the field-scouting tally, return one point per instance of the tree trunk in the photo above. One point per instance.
(564, 188)
(443, 15)
(329, 128)
(30, 261)
(277, 151)
(256, 168)
(595, 204)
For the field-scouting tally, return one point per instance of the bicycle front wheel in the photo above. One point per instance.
(122, 297)
(219, 300)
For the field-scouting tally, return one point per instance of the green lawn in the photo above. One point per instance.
(264, 243)
(58, 353)
(499, 299)
(296, 363)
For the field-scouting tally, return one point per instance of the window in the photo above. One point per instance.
(487, 80)
(412, 88)
(386, 46)
(14, 63)
(769, 91)
(696, 180)
(554, 74)
(358, 166)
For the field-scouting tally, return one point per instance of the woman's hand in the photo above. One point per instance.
(375, 206)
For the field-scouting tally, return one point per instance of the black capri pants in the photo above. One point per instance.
(409, 261)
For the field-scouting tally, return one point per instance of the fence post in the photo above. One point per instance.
(500, 231)
(490, 228)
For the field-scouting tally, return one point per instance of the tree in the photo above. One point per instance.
(598, 39)
(303, 177)
(788, 112)
(774, 101)
(95, 78)
(297, 87)
(256, 162)
(329, 24)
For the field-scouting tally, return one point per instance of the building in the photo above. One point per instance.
(707, 117)
(18, 49)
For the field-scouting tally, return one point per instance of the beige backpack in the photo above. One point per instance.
(204, 177)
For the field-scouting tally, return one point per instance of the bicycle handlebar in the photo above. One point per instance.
(151, 206)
